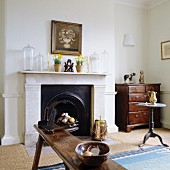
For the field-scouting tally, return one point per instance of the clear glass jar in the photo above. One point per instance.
(39, 62)
(104, 62)
(94, 63)
(28, 57)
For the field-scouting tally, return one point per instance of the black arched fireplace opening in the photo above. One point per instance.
(72, 99)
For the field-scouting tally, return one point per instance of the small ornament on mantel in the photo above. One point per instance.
(141, 78)
(68, 66)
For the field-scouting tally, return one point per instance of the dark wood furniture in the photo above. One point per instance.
(151, 132)
(64, 144)
(128, 115)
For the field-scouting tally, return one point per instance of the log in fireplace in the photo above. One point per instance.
(72, 99)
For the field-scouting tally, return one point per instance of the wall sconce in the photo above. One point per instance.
(128, 40)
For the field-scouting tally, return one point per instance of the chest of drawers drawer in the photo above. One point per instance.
(152, 88)
(138, 117)
(136, 89)
(138, 97)
(134, 108)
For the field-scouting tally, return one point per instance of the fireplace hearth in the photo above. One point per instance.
(72, 99)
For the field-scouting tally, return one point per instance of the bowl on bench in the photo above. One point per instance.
(92, 153)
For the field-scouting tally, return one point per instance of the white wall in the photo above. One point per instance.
(158, 70)
(130, 59)
(30, 22)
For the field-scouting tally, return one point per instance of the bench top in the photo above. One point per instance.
(64, 144)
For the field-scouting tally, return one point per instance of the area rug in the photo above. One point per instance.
(153, 158)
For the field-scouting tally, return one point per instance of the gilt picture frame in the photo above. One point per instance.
(66, 38)
(165, 50)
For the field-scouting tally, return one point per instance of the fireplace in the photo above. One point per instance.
(66, 91)
(72, 99)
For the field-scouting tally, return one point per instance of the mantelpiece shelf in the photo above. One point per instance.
(63, 73)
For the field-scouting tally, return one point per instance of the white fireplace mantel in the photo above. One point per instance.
(33, 82)
(63, 73)
(36, 77)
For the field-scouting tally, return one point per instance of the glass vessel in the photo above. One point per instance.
(104, 62)
(39, 62)
(94, 63)
(28, 57)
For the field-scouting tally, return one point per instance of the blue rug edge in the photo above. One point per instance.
(140, 150)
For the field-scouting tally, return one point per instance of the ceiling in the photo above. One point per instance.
(146, 4)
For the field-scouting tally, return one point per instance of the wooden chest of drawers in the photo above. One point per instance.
(128, 114)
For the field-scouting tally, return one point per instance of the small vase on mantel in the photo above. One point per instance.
(57, 67)
(79, 68)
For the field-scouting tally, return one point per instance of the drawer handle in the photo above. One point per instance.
(144, 113)
(137, 97)
(136, 116)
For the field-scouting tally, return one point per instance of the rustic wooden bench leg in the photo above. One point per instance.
(66, 167)
(37, 153)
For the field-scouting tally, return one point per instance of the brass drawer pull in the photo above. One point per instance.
(136, 116)
(137, 97)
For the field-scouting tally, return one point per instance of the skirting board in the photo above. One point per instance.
(165, 125)
(112, 129)
(9, 140)
(31, 139)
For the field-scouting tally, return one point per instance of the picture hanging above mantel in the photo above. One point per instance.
(66, 38)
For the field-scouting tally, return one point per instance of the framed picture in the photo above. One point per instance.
(66, 38)
(165, 50)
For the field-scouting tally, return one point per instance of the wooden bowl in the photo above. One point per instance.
(94, 160)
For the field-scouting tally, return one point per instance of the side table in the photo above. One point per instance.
(151, 122)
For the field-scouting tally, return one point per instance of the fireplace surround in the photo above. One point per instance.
(34, 81)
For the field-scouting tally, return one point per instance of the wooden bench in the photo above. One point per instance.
(64, 144)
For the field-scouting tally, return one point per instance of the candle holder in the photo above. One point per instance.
(48, 63)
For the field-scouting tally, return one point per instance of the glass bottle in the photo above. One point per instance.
(94, 63)
(39, 62)
(104, 62)
(28, 57)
